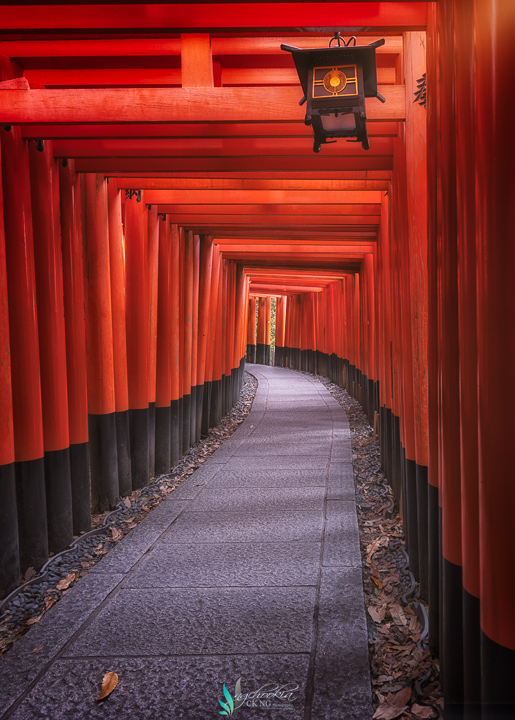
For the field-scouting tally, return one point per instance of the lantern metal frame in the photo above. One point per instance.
(337, 112)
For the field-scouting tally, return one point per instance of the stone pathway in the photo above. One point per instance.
(251, 569)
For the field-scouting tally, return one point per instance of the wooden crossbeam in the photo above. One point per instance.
(262, 197)
(144, 105)
(208, 17)
(156, 46)
(211, 147)
(191, 130)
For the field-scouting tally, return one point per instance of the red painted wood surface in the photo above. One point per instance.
(153, 282)
(117, 271)
(73, 292)
(137, 301)
(97, 287)
(6, 402)
(44, 179)
(165, 318)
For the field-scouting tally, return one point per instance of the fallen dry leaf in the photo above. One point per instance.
(397, 614)
(29, 573)
(34, 620)
(127, 503)
(388, 712)
(116, 534)
(109, 682)
(38, 648)
(66, 582)
(399, 699)
(377, 613)
(424, 712)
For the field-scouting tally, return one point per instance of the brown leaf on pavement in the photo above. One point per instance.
(109, 682)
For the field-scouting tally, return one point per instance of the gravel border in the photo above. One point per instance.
(27, 604)
(404, 674)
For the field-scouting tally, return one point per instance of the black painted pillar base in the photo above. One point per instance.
(151, 439)
(180, 419)
(411, 515)
(58, 499)
(139, 424)
(251, 353)
(81, 488)
(278, 358)
(261, 353)
(163, 439)
(215, 410)
(471, 656)
(175, 433)
(9, 545)
(451, 657)
(433, 561)
(193, 414)
(32, 518)
(422, 528)
(200, 407)
(186, 423)
(103, 455)
(395, 479)
(497, 671)
(123, 446)
(206, 409)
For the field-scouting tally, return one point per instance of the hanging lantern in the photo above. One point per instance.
(336, 81)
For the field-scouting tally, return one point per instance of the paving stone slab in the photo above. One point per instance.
(341, 482)
(253, 448)
(138, 541)
(30, 655)
(342, 675)
(233, 564)
(308, 477)
(170, 688)
(176, 621)
(259, 500)
(215, 527)
(341, 544)
(280, 462)
(192, 485)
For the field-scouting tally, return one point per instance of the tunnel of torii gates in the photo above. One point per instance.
(157, 178)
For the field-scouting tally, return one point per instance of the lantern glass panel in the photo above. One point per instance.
(339, 123)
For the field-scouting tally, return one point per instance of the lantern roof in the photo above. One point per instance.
(364, 54)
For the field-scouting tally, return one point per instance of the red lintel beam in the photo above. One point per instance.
(192, 184)
(171, 77)
(210, 147)
(144, 105)
(203, 16)
(197, 130)
(148, 47)
(206, 166)
(246, 197)
(370, 209)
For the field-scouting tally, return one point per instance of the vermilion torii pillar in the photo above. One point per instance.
(9, 546)
(138, 334)
(99, 344)
(263, 331)
(44, 177)
(251, 331)
(121, 388)
(24, 346)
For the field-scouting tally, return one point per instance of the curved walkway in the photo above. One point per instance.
(251, 569)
